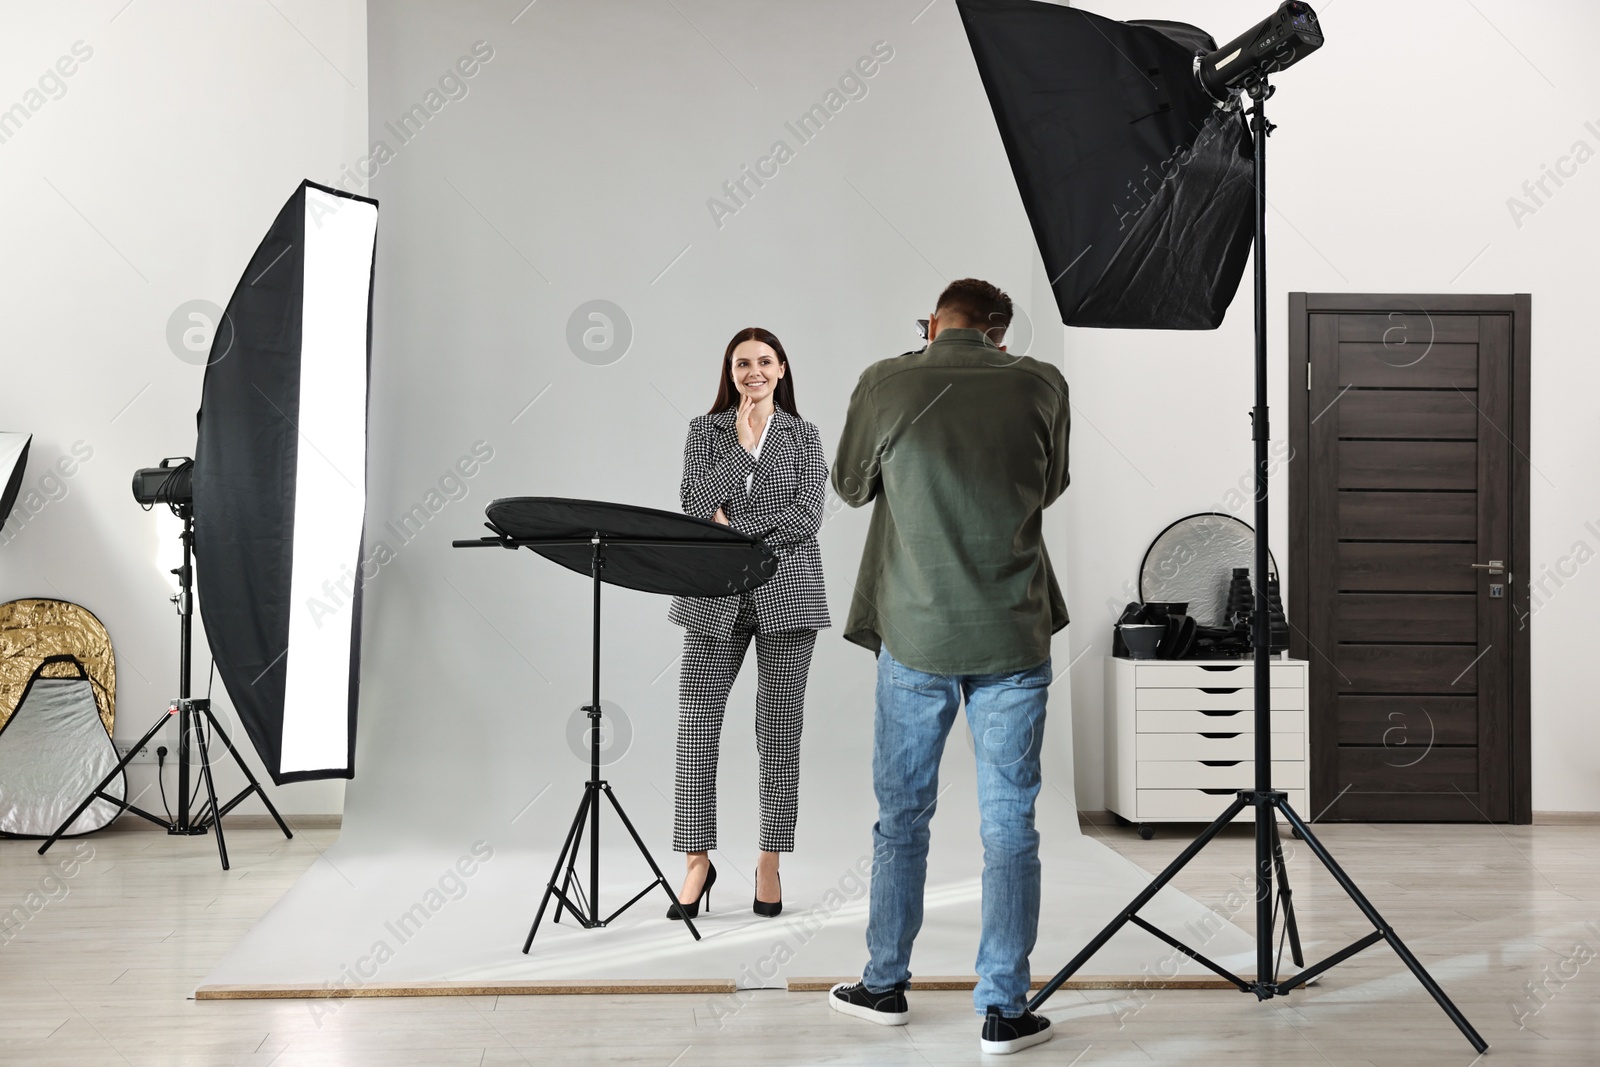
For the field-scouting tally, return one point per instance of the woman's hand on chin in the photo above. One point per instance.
(749, 432)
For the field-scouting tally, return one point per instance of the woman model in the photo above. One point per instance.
(753, 464)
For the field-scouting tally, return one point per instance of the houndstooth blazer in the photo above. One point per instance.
(783, 507)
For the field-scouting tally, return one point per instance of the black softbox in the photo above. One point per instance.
(1138, 187)
(280, 484)
(13, 461)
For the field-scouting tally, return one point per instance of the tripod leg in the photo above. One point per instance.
(564, 897)
(211, 792)
(245, 767)
(1138, 902)
(571, 888)
(572, 885)
(1286, 896)
(118, 769)
(651, 860)
(568, 846)
(1411, 962)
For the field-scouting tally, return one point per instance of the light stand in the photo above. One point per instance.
(195, 719)
(568, 891)
(637, 548)
(1266, 801)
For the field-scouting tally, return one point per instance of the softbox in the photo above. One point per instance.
(280, 484)
(13, 461)
(1137, 185)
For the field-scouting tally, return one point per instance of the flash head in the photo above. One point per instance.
(1279, 41)
(171, 483)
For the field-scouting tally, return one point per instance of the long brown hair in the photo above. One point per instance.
(782, 395)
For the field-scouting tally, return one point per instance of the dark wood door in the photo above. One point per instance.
(1404, 481)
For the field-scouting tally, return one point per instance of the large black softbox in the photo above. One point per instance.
(1138, 187)
(280, 484)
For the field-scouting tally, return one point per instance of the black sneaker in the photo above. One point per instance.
(885, 1009)
(1003, 1036)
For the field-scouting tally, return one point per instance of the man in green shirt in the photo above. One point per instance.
(960, 447)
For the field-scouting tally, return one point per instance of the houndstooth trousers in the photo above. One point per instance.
(709, 666)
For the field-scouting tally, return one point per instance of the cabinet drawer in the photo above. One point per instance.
(1192, 774)
(1215, 747)
(1214, 698)
(1195, 805)
(1177, 673)
(1189, 721)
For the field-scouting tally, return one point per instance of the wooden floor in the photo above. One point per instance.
(107, 937)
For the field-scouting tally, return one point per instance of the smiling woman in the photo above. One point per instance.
(753, 464)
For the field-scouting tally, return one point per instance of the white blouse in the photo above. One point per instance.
(750, 478)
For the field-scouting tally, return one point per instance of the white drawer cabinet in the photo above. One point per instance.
(1180, 737)
(1180, 721)
(1212, 747)
(1208, 674)
(1153, 698)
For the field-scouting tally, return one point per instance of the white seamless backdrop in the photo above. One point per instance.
(628, 174)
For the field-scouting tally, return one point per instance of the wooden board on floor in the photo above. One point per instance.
(612, 987)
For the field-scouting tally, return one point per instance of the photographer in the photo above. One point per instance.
(960, 447)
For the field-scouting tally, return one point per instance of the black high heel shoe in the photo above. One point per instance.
(766, 910)
(677, 911)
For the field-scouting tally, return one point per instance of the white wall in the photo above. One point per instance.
(142, 181)
(1400, 143)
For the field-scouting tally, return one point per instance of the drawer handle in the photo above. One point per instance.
(1222, 762)
(1213, 712)
(1218, 792)
(1230, 667)
(1220, 690)
(1221, 737)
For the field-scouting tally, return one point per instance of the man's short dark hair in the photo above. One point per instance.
(981, 305)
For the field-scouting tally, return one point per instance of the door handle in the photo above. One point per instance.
(1494, 566)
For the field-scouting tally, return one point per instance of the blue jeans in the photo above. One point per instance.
(914, 714)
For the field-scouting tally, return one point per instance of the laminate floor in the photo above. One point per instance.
(103, 940)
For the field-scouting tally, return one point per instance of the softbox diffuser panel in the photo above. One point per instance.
(13, 461)
(1137, 186)
(280, 484)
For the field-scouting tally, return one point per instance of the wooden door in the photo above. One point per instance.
(1407, 485)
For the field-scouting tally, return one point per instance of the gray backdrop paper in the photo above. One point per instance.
(577, 167)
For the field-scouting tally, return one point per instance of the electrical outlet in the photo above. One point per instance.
(147, 754)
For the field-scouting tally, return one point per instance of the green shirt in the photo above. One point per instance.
(961, 447)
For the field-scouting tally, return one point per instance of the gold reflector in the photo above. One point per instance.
(33, 629)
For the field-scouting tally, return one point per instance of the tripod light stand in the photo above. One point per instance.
(1090, 109)
(195, 720)
(637, 548)
(1267, 802)
(568, 890)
